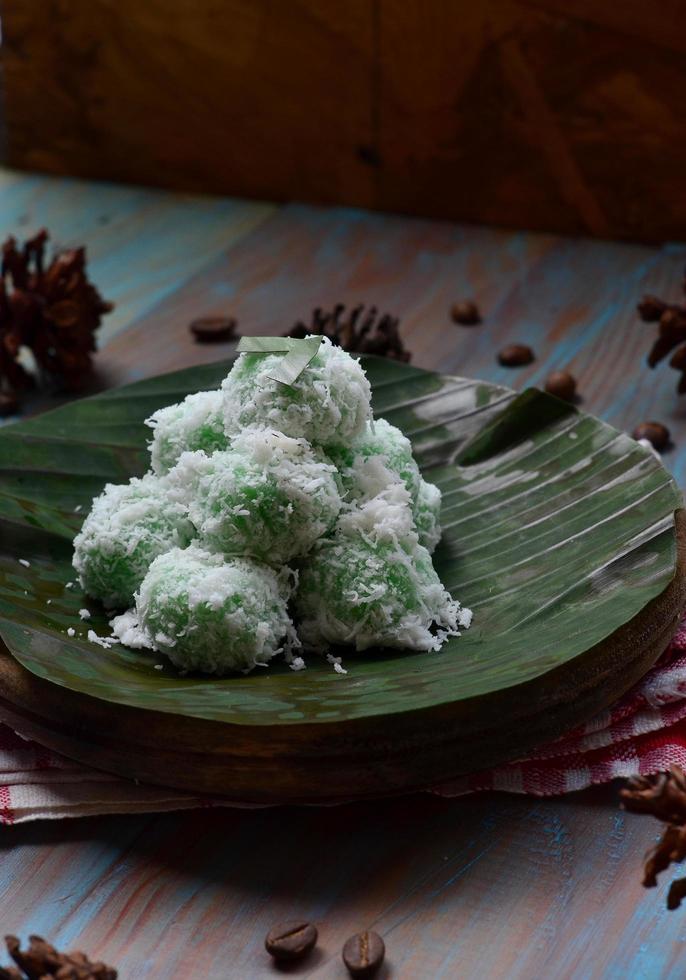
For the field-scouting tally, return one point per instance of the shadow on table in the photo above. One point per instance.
(310, 849)
(425, 872)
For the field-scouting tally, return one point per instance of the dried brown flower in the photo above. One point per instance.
(663, 796)
(671, 334)
(41, 961)
(10, 973)
(357, 331)
(53, 311)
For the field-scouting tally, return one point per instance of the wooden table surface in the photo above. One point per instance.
(482, 887)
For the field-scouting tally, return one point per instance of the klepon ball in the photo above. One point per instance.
(128, 526)
(380, 455)
(209, 614)
(329, 403)
(270, 496)
(195, 423)
(373, 585)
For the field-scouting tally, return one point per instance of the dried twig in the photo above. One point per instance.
(671, 333)
(663, 796)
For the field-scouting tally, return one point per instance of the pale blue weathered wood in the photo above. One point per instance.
(142, 244)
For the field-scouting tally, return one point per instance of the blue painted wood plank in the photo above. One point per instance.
(493, 886)
(142, 244)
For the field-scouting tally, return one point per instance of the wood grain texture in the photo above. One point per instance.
(184, 94)
(536, 113)
(142, 244)
(491, 886)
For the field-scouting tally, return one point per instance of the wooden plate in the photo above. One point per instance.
(560, 532)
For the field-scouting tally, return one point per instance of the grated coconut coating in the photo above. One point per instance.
(427, 515)
(269, 496)
(240, 471)
(379, 456)
(329, 403)
(128, 526)
(211, 615)
(373, 585)
(195, 423)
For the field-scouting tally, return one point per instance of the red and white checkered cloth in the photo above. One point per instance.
(644, 732)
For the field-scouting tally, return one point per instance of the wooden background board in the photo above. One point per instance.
(564, 115)
(496, 885)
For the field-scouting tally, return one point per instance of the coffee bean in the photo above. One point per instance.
(562, 384)
(516, 355)
(656, 433)
(466, 313)
(8, 404)
(291, 940)
(213, 329)
(363, 954)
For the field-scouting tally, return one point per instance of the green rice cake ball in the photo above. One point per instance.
(427, 515)
(195, 423)
(385, 518)
(380, 455)
(356, 593)
(128, 526)
(329, 402)
(373, 585)
(211, 615)
(269, 496)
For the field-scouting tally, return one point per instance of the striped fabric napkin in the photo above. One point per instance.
(644, 732)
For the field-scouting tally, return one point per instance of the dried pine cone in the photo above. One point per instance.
(41, 961)
(10, 973)
(356, 331)
(54, 311)
(40, 957)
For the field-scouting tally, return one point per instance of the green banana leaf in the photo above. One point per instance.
(557, 530)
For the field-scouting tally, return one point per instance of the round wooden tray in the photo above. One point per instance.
(560, 531)
(355, 759)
